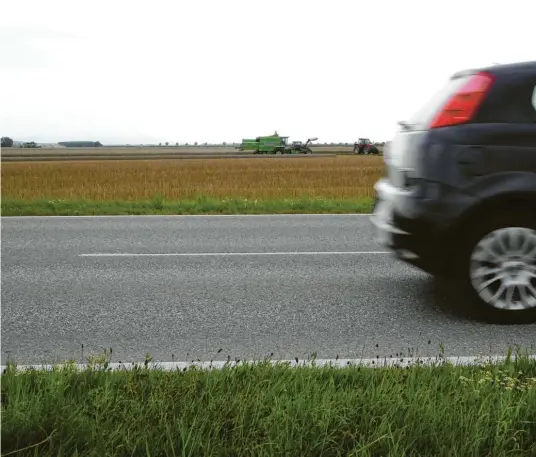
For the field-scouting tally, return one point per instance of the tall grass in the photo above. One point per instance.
(265, 410)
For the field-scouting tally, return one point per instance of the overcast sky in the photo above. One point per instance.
(199, 70)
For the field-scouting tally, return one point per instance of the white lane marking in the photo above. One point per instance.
(192, 215)
(401, 362)
(226, 254)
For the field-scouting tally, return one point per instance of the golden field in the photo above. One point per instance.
(258, 178)
(141, 151)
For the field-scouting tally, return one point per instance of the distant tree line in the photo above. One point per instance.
(7, 142)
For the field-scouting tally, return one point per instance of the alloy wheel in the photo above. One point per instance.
(503, 268)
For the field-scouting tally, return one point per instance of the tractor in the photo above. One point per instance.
(365, 146)
(298, 147)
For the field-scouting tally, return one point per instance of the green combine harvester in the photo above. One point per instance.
(275, 144)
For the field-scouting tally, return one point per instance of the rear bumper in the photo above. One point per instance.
(412, 236)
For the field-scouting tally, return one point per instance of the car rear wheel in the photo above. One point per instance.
(500, 268)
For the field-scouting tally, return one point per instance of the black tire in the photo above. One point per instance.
(501, 219)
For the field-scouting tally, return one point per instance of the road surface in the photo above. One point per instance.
(167, 286)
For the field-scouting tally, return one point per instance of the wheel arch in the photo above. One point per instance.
(481, 211)
(522, 200)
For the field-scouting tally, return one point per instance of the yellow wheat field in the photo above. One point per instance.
(328, 177)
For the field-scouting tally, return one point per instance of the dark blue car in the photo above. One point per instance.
(459, 196)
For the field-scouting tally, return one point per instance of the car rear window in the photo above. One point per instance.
(422, 118)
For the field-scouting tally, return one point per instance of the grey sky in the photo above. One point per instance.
(131, 71)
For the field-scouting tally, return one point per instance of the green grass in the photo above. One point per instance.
(265, 410)
(14, 207)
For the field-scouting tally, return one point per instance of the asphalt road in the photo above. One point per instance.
(57, 295)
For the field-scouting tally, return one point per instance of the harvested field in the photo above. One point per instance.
(334, 177)
(134, 150)
(135, 153)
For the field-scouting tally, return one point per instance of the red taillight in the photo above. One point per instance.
(462, 106)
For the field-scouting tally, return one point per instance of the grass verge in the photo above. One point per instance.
(200, 205)
(259, 409)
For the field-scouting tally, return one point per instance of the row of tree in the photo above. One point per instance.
(8, 142)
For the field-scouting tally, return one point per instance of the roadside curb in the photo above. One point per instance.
(400, 362)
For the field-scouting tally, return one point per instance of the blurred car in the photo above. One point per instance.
(459, 196)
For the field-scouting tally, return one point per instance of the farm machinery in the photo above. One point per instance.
(365, 146)
(298, 147)
(275, 144)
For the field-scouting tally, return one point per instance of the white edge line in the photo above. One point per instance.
(225, 254)
(335, 363)
(191, 215)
